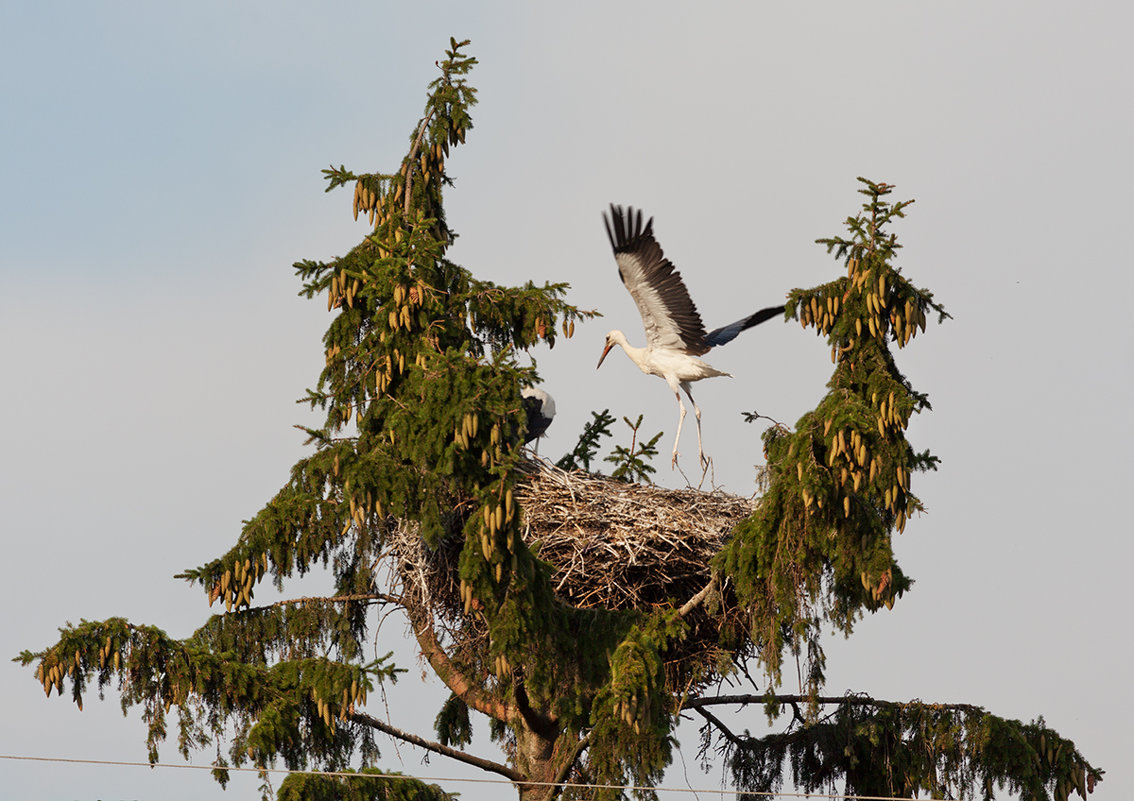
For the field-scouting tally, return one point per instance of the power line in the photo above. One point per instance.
(566, 785)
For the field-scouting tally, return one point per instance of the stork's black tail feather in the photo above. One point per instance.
(728, 333)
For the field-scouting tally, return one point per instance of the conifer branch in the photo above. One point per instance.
(823, 700)
(361, 596)
(437, 748)
(572, 757)
(747, 739)
(544, 726)
(719, 725)
(454, 679)
(410, 161)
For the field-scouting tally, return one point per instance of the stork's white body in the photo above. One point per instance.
(675, 336)
(674, 366)
(678, 369)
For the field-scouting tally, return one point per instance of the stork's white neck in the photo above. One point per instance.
(637, 355)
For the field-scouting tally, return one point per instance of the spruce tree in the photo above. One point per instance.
(421, 444)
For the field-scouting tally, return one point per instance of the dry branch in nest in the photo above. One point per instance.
(610, 544)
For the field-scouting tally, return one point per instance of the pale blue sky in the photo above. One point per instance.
(160, 171)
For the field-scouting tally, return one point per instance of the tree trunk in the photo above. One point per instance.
(540, 759)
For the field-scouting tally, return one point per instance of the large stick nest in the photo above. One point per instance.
(624, 546)
(611, 545)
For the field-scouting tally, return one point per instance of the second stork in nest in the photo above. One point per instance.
(539, 407)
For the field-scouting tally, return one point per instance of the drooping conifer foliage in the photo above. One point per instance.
(420, 442)
(819, 548)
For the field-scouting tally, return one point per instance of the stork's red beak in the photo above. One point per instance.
(605, 351)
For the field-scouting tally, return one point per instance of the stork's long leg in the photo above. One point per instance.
(680, 421)
(697, 414)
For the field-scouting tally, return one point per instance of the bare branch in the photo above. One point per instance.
(699, 598)
(437, 748)
(362, 596)
(824, 700)
(715, 721)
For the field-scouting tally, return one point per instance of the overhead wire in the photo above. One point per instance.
(456, 779)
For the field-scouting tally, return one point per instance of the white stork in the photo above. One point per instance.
(540, 409)
(675, 335)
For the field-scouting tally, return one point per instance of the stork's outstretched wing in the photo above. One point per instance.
(727, 333)
(668, 314)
